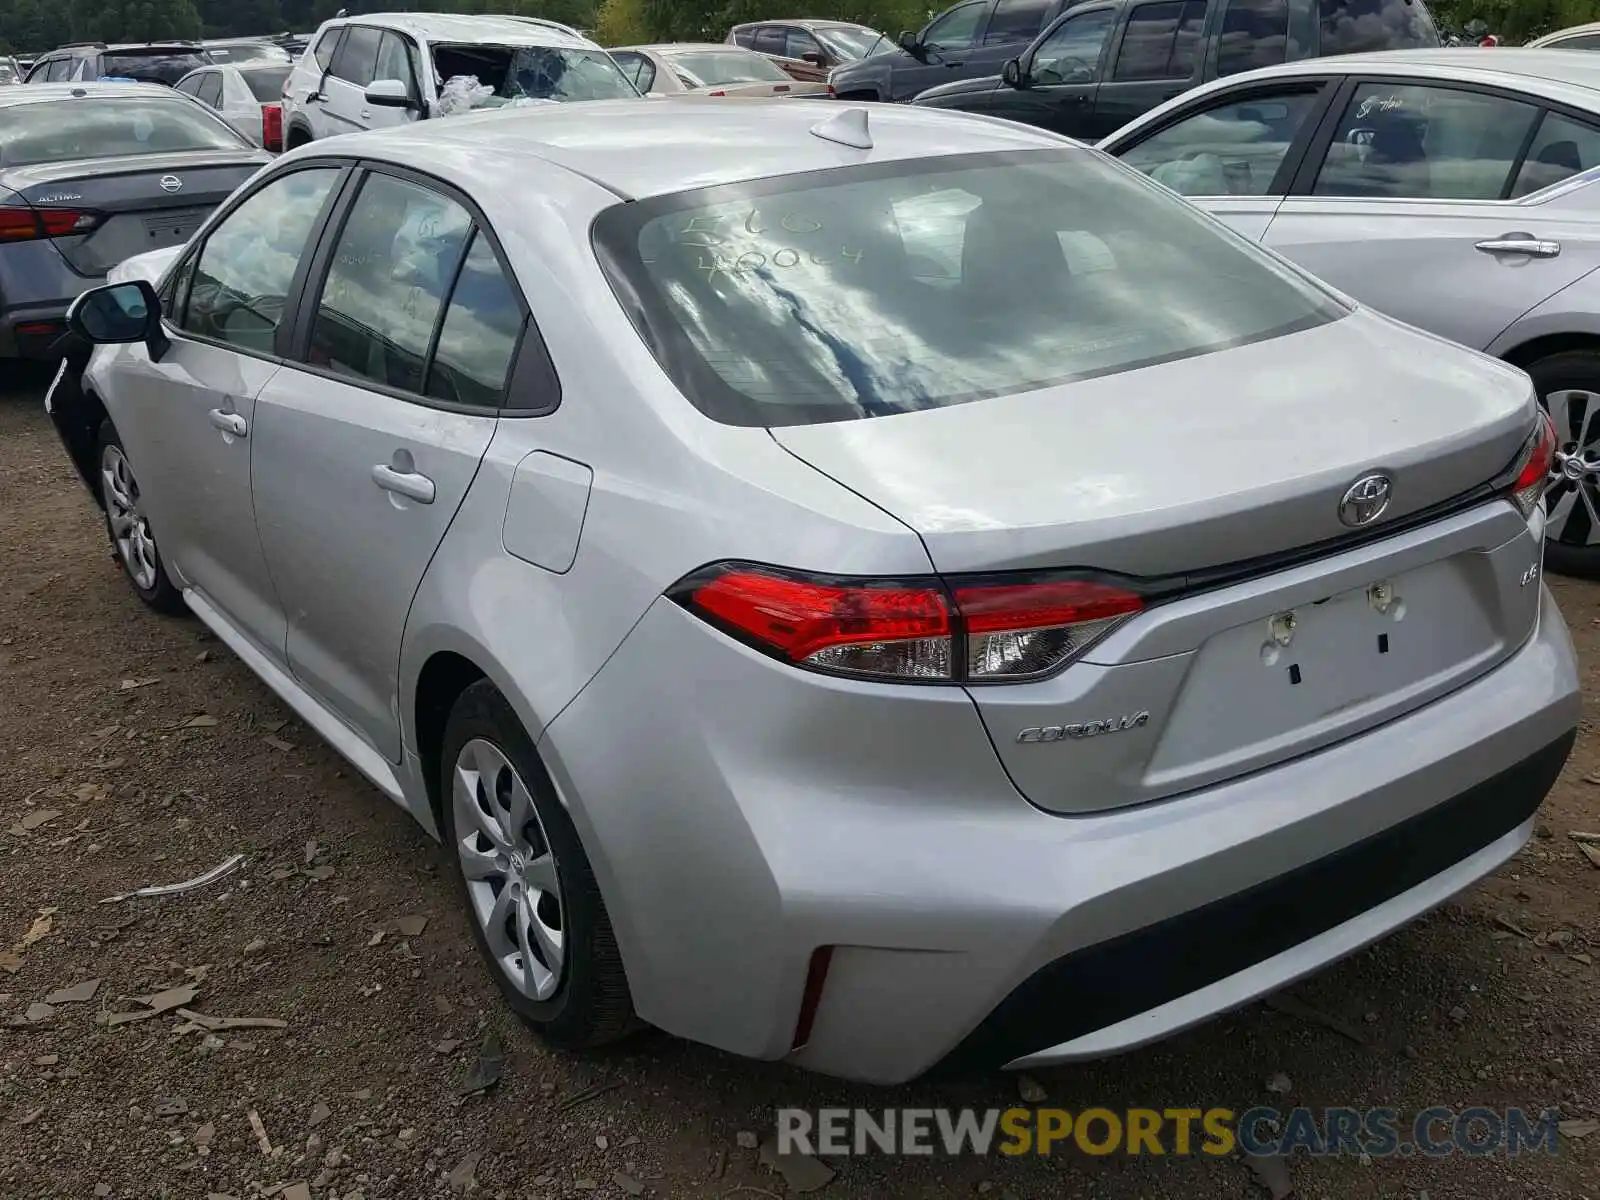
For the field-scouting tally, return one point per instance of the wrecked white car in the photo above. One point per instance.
(379, 71)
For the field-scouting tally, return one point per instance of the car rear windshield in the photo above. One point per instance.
(152, 66)
(709, 68)
(1357, 26)
(248, 52)
(266, 83)
(885, 288)
(68, 129)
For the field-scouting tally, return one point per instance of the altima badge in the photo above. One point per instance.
(1084, 729)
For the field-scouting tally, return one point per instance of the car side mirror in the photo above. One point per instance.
(813, 57)
(1012, 74)
(119, 314)
(388, 93)
(909, 43)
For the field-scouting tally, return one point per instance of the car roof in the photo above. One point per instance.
(452, 27)
(1570, 75)
(671, 47)
(639, 148)
(807, 23)
(1569, 31)
(39, 93)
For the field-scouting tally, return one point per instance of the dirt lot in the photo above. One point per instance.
(360, 1093)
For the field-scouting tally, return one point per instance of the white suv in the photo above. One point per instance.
(387, 69)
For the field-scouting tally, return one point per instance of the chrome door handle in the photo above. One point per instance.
(405, 483)
(1518, 243)
(229, 422)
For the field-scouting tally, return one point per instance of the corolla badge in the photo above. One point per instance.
(1365, 501)
(1084, 729)
(170, 183)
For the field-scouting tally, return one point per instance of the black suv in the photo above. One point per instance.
(146, 62)
(971, 39)
(1105, 62)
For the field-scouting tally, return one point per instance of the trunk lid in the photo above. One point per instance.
(1188, 472)
(142, 202)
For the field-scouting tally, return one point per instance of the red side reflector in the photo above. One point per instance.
(811, 998)
(718, 92)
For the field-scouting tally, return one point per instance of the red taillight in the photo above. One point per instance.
(272, 127)
(718, 92)
(972, 631)
(876, 628)
(1538, 457)
(28, 224)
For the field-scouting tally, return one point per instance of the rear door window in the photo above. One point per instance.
(641, 72)
(386, 283)
(771, 40)
(211, 89)
(1560, 149)
(1357, 26)
(1160, 40)
(478, 339)
(358, 55)
(60, 70)
(1232, 149)
(322, 52)
(1255, 33)
(1410, 140)
(1016, 21)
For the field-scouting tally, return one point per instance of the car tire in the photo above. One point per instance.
(1568, 385)
(132, 539)
(506, 831)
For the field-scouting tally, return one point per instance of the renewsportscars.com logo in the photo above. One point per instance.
(1268, 1132)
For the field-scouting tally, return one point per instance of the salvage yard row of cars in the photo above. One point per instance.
(852, 583)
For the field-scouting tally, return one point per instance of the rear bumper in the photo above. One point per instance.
(36, 288)
(1184, 969)
(758, 813)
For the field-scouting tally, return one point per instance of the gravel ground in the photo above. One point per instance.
(160, 755)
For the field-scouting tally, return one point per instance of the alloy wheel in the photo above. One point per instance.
(1573, 498)
(512, 880)
(130, 528)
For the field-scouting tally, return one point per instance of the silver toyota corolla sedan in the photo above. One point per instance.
(883, 592)
(1454, 189)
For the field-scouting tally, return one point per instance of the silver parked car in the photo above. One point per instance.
(93, 173)
(1453, 189)
(818, 644)
(709, 69)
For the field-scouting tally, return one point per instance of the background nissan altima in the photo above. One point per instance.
(693, 542)
(91, 174)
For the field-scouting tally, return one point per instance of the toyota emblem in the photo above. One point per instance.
(170, 183)
(1365, 501)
